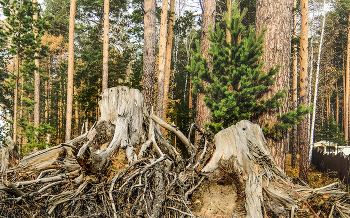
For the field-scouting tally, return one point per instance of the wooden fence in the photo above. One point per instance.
(331, 162)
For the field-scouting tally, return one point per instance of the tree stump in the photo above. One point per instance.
(122, 110)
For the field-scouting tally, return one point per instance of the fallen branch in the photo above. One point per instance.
(70, 175)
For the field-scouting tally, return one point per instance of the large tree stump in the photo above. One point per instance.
(121, 108)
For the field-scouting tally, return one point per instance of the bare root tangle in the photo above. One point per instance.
(78, 178)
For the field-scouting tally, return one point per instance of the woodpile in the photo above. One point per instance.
(79, 178)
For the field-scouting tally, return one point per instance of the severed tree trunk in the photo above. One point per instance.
(122, 108)
(277, 17)
(70, 71)
(304, 35)
(10, 156)
(105, 45)
(149, 59)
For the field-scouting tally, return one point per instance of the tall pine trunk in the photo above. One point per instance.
(168, 59)
(21, 110)
(208, 19)
(304, 34)
(162, 58)
(16, 99)
(36, 76)
(105, 46)
(344, 88)
(328, 106)
(277, 17)
(337, 103)
(294, 142)
(347, 79)
(149, 57)
(70, 71)
(47, 90)
(228, 34)
(76, 114)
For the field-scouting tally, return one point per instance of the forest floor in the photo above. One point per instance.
(316, 179)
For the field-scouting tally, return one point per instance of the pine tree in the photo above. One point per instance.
(236, 79)
(25, 47)
(330, 131)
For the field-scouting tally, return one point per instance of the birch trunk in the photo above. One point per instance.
(70, 71)
(310, 82)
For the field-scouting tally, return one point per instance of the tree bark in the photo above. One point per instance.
(162, 58)
(76, 114)
(60, 101)
(337, 103)
(294, 142)
(168, 59)
(328, 106)
(304, 34)
(344, 94)
(277, 17)
(228, 34)
(149, 57)
(70, 71)
(347, 79)
(105, 46)
(47, 91)
(21, 138)
(36, 76)
(16, 100)
(208, 20)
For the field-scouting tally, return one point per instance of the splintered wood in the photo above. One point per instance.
(80, 178)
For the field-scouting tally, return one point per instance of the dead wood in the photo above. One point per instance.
(77, 178)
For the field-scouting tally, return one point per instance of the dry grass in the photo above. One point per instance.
(316, 178)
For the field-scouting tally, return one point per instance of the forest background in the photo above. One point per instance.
(44, 39)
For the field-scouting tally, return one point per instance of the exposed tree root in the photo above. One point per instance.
(77, 178)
